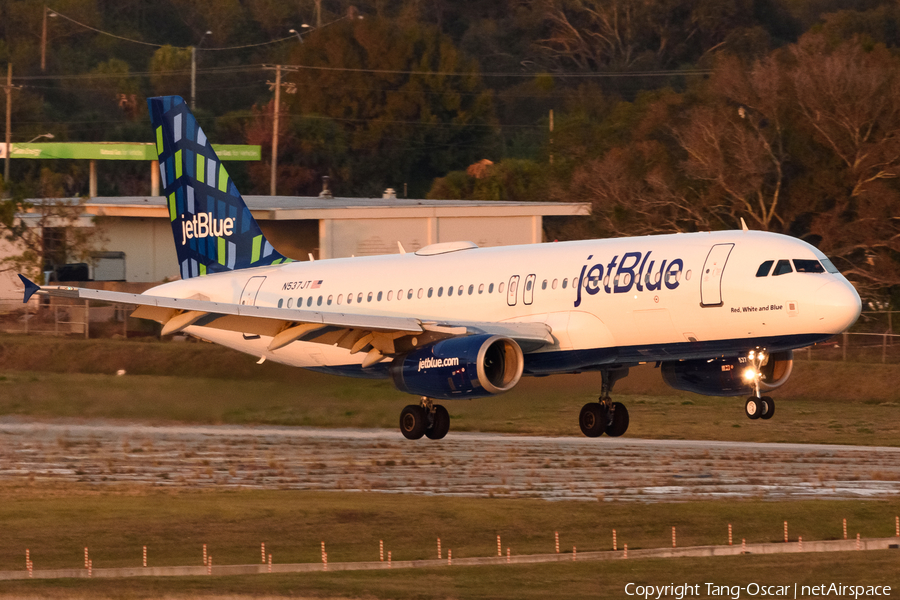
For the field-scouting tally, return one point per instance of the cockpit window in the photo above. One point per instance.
(829, 266)
(763, 270)
(782, 267)
(808, 266)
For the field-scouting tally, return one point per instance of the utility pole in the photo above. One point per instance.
(276, 110)
(194, 71)
(8, 88)
(193, 77)
(551, 136)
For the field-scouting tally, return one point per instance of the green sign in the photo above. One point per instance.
(115, 151)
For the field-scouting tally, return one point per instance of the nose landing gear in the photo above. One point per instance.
(757, 406)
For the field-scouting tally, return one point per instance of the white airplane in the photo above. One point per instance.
(719, 313)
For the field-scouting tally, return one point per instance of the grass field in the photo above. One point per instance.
(840, 403)
(846, 403)
(56, 522)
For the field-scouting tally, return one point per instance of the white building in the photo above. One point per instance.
(138, 245)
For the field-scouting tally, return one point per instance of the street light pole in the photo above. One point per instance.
(276, 110)
(47, 13)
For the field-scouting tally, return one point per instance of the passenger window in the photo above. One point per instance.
(480, 288)
(319, 301)
(359, 298)
(565, 282)
(430, 292)
(471, 289)
(500, 288)
(399, 294)
(390, 294)
(280, 302)
(299, 302)
(330, 298)
(350, 298)
(309, 301)
(782, 267)
(491, 289)
(763, 270)
(340, 298)
(290, 301)
(409, 294)
(369, 297)
(459, 291)
(802, 266)
(450, 291)
(419, 295)
(528, 286)
(544, 285)
(553, 285)
(440, 291)
(379, 296)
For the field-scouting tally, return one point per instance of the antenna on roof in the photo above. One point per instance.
(402, 249)
(744, 225)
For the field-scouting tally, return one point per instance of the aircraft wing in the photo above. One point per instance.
(379, 335)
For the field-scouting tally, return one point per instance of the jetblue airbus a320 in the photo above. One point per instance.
(719, 313)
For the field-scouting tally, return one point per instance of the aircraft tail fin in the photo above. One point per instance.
(212, 226)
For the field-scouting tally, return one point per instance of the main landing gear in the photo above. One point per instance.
(605, 416)
(757, 405)
(428, 419)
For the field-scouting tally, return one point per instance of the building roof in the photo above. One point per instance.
(290, 208)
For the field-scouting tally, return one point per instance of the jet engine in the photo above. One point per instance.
(464, 367)
(726, 376)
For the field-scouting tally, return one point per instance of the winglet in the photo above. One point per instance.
(30, 288)
(744, 225)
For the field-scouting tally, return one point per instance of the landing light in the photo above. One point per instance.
(749, 374)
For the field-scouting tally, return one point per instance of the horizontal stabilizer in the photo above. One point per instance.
(30, 288)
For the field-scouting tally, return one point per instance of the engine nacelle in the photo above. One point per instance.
(725, 376)
(465, 367)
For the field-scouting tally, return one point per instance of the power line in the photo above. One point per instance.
(134, 41)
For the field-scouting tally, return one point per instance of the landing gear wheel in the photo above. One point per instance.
(413, 421)
(618, 424)
(592, 419)
(767, 411)
(753, 407)
(440, 425)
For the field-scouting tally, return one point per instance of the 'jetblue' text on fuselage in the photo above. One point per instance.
(635, 271)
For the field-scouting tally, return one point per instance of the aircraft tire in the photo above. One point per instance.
(592, 419)
(441, 424)
(619, 423)
(767, 411)
(753, 407)
(413, 422)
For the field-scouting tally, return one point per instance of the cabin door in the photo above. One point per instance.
(711, 278)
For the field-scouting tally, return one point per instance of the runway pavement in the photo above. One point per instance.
(463, 464)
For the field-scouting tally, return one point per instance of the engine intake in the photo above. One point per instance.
(469, 367)
(725, 376)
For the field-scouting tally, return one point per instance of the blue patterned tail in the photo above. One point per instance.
(212, 225)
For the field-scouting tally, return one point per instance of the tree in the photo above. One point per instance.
(49, 233)
(402, 122)
(845, 100)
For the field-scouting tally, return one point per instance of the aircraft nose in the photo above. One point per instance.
(838, 306)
